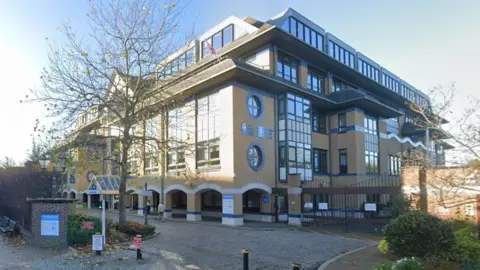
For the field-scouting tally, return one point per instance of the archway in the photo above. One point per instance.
(73, 195)
(257, 206)
(179, 203)
(211, 204)
(154, 201)
(65, 194)
(132, 200)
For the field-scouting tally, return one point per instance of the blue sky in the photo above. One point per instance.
(426, 43)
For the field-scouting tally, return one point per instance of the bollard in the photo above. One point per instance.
(296, 266)
(138, 244)
(98, 252)
(245, 259)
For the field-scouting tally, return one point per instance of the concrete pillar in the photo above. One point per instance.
(89, 201)
(168, 205)
(266, 207)
(229, 218)
(328, 83)
(294, 200)
(140, 205)
(194, 207)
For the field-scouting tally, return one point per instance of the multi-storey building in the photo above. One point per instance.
(277, 98)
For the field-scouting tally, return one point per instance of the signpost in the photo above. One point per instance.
(97, 243)
(103, 220)
(49, 225)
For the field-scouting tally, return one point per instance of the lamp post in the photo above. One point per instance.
(55, 174)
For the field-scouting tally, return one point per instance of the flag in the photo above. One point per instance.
(212, 49)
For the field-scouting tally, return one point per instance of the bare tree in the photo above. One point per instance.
(8, 162)
(459, 185)
(111, 73)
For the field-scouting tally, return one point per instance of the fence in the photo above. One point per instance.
(366, 206)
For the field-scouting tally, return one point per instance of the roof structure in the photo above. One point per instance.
(104, 184)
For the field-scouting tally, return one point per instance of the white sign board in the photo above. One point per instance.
(97, 242)
(93, 192)
(147, 193)
(371, 207)
(227, 204)
(49, 225)
(322, 206)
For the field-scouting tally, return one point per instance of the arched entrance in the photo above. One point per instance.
(257, 205)
(211, 205)
(154, 201)
(179, 203)
(65, 194)
(132, 200)
(73, 195)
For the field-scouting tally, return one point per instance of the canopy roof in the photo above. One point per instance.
(105, 184)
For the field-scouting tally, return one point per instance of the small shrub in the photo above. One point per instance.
(132, 228)
(383, 266)
(117, 236)
(75, 234)
(408, 264)
(383, 246)
(417, 234)
(467, 246)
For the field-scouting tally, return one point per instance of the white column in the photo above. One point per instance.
(89, 201)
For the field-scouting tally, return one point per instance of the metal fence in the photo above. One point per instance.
(366, 206)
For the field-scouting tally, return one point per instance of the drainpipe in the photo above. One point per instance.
(275, 129)
(330, 152)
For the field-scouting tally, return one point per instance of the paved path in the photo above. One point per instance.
(203, 246)
(364, 259)
(16, 254)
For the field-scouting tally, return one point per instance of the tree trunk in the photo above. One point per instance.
(122, 217)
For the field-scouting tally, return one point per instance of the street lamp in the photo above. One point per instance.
(43, 162)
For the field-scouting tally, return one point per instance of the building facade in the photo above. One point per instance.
(268, 100)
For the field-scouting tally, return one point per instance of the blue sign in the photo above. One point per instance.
(261, 132)
(266, 198)
(244, 128)
(250, 130)
(270, 133)
(49, 225)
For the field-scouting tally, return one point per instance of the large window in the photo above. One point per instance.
(394, 165)
(390, 83)
(320, 161)
(208, 131)
(343, 161)
(303, 32)
(251, 201)
(368, 70)
(218, 40)
(178, 122)
(371, 144)
(315, 82)
(287, 67)
(342, 55)
(342, 122)
(392, 125)
(319, 122)
(181, 62)
(295, 137)
(339, 85)
(211, 201)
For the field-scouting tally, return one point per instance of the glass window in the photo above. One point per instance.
(205, 47)
(182, 64)
(394, 165)
(352, 61)
(320, 161)
(319, 122)
(293, 26)
(254, 106)
(227, 35)
(371, 144)
(307, 34)
(330, 49)
(342, 120)
(337, 52)
(343, 161)
(208, 130)
(300, 30)
(287, 68)
(320, 42)
(190, 55)
(341, 54)
(313, 38)
(217, 40)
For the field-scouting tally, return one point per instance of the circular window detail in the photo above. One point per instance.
(255, 157)
(254, 106)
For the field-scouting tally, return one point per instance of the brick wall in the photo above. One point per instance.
(50, 206)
